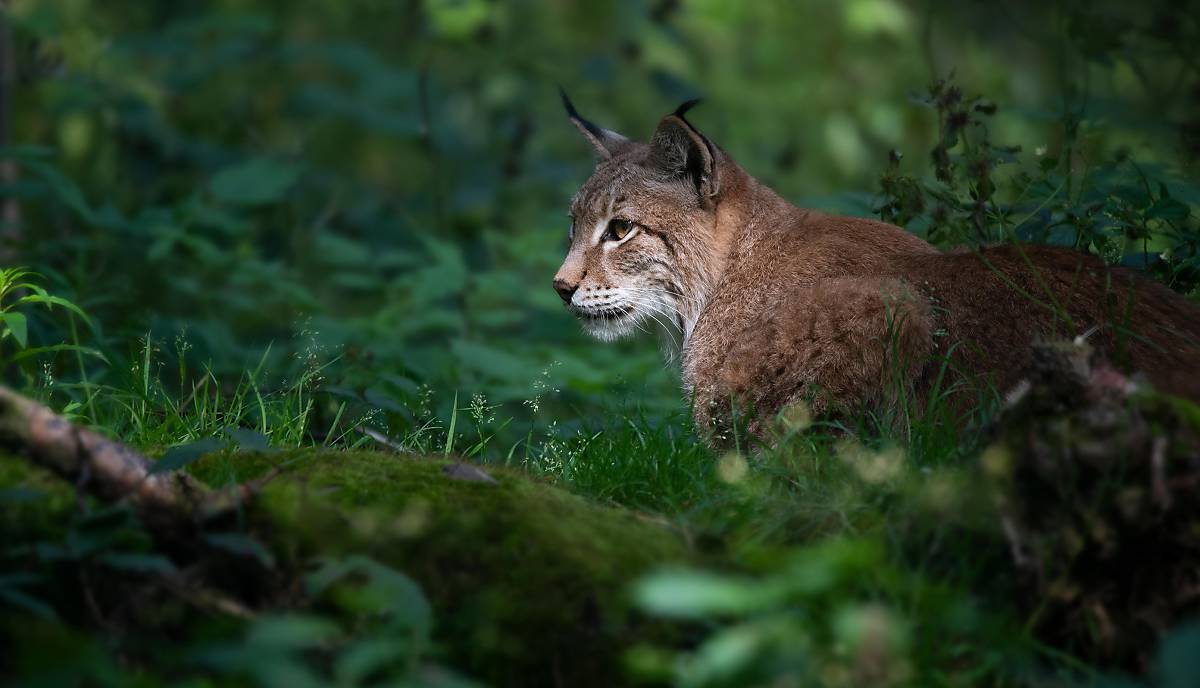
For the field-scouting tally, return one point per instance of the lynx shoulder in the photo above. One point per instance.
(775, 304)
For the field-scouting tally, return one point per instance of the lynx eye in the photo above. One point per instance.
(618, 229)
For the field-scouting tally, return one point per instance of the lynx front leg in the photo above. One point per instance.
(841, 345)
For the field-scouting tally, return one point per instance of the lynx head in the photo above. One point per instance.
(640, 229)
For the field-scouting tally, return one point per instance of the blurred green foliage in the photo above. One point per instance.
(823, 619)
(384, 184)
(265, 223)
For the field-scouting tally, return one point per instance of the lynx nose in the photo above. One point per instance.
(565, 290)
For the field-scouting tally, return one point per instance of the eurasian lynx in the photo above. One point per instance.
(775, 304)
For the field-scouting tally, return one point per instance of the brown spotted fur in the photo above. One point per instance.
(778, 304)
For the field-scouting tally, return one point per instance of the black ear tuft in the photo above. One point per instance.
(604, 141)
(576, 117)
(567, 104)
(683, 109)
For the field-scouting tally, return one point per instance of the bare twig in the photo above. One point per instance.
(206, 598)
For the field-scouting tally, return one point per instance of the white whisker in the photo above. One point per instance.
(654, 309)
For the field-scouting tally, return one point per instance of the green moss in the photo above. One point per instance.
(528, 581)
(31, 499)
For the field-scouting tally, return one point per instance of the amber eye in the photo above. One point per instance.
(618, 229)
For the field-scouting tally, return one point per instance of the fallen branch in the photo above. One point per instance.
(110, 470)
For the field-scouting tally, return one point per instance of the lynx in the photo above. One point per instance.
(775, 304)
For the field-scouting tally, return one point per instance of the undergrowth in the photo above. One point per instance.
(275, 305)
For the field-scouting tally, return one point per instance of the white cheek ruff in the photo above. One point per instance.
(623, 311)
(610, 329)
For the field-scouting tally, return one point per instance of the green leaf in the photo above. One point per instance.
(249, 440)
(1179, 657)
(385, 590)
(18, 327)
(139, 563)
(25, 152)
(725, 655)
(244, 545)
(292, 631)
(494, 363)
(330, 572)
(64, 189)
(399, 595)
(50, 301)
(457, 18)
(20, 495)
(35, 351)
(815, 570)
(333, 249)
(384, 402)
(1135, 195)
(696, 594)
(178, 457)
(366, 657)
(1167, 208)
(16, 598)
(254, 182)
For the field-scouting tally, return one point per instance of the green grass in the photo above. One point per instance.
(835, 537)
(313, 273)
(749, 509)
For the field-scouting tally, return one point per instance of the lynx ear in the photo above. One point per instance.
(680, 150)
(604, 141)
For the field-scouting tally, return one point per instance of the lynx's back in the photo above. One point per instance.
(852, 336)
(1002, 298)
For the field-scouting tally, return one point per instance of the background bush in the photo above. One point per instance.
(257, 223)
(384, 184)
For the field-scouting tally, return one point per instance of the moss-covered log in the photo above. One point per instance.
(528, 581)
